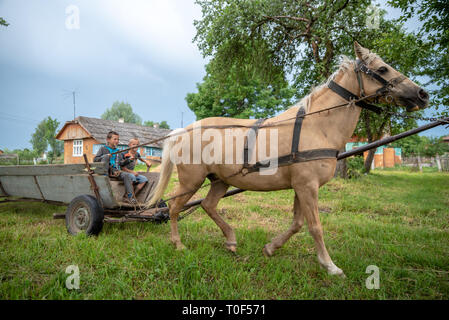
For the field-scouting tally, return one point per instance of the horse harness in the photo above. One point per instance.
(323, 153)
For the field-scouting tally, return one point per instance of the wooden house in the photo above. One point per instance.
(446, 139)
(87, 135)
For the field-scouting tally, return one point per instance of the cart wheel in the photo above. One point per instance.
(84, 214)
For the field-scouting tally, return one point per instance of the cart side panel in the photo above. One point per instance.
(51, 169)
(20, 186)
(66, 188)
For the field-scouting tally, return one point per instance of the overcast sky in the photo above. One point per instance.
(138, 51)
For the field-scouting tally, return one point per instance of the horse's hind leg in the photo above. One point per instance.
(298, 221)
(209, 204)
(186, 189)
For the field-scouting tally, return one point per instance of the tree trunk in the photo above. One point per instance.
(419, 163)
(437, 157)
(342, 169)
(369, 160)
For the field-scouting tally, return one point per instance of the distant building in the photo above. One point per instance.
(87, 135)
(446, 139)
(384, 157)
(1, 151)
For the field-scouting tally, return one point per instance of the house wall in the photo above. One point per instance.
(87, 149)
(73, 131)
(388, 157)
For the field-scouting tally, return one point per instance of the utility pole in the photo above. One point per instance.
(73, 93)
(182, 119)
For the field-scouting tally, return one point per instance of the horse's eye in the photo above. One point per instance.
(382, 70)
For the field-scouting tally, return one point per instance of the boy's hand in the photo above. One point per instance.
(135, 174)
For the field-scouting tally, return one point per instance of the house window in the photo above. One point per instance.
(77, 148)
(156, 152)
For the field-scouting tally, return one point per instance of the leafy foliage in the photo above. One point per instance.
(435, 17)
(355, 167)
(162, 124)
(3, 22)
(44, 136)
(123, 110)
(425, 146)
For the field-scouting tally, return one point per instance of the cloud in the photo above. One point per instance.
(139, 38)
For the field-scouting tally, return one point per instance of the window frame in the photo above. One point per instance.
(77, 147)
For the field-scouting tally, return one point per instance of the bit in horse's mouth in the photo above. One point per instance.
(411, 109)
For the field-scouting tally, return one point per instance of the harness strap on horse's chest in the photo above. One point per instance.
(297, 129)
(347, 95)
(246, 150)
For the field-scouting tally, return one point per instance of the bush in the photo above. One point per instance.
(355, 167)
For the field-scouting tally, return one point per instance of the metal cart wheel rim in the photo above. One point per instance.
(80, 218)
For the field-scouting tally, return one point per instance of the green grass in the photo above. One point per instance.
(396, 220)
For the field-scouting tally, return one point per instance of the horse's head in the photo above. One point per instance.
(375, 76)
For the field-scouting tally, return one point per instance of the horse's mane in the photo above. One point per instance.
(345, 64)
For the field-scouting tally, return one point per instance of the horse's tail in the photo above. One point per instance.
(165, 173)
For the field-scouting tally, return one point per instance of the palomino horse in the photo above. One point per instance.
(329, 130)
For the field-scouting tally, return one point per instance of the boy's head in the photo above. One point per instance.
(112, 139)
(133, 143)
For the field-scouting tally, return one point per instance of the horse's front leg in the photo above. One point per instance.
(308, 203)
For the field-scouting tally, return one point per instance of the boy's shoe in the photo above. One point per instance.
(130, 200)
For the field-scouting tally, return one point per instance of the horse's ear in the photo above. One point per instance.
(360, 51)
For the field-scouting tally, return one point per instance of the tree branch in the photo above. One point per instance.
(287, 17)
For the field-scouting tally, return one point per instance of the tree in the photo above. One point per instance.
(162, 124)
(123, 110)
(435, 17)
(38, 139)
(426, 146)
(238, 93)
(261, 39)
(3, 22)
(44, 136)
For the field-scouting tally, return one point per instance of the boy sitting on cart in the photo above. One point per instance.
(129, 162)
(107, 155)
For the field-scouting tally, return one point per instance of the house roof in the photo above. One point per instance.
(446, 138)
(99, 128)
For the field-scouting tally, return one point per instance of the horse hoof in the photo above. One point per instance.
(337, 272)
(266, 251)
(180, 247)
(231, 247)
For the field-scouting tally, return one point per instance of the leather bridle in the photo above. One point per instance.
(360, 67)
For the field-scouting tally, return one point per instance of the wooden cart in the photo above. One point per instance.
(92, 197)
